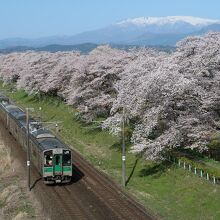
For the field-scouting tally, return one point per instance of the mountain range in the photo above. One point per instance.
(142, 31)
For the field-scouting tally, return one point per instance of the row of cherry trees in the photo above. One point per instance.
(171, 99)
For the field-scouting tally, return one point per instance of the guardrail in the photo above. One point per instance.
(193, 169)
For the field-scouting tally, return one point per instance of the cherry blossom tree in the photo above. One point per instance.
(172, 99)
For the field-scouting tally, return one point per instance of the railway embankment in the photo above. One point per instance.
(171, 192)
(15, 201)
(71, 201)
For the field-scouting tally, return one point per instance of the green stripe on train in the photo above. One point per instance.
(67, 169)
(48, 169)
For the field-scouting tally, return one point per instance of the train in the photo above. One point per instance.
(51, 157)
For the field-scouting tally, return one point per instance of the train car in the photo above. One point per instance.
(4, 101)
(51, 157)
(57, 158)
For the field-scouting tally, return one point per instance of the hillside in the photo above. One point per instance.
(83, 48)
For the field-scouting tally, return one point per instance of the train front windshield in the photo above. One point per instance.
(66, 158)
(48, 158)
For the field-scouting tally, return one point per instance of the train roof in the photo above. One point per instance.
(22, 121)
(3, 98)
(51, 143)
(19, 115)
(42, 136)
(47, 140)
(13, 109)
(33, 124)
(42, 133)
(4, 101)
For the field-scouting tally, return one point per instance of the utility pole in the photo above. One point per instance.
(28, 147)
(40, 109)
(123, 150)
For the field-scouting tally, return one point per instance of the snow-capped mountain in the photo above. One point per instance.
(137, 31)
(144, 21)
(170, 24)
(149, 30)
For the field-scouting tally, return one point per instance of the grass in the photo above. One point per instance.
(25, 207)
(212, 163)
(13, 200)
(175, 193)
(170, 192)
(198, 160)
(2, 204)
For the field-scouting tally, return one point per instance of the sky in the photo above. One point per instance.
(40, 18)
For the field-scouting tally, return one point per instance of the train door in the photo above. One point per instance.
(57, 162)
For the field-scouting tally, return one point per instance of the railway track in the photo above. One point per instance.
(111, 194)
(91, 195)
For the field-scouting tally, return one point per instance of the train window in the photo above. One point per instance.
(48, 159)
(66, 158)
(57, 160)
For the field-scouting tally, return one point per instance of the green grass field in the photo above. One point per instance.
(168, 191)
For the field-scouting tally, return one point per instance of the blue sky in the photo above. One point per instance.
(38, 18)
